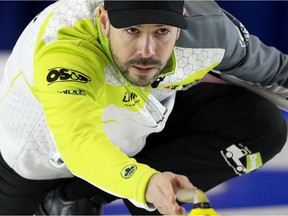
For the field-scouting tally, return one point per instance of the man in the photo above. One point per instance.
(86, 96)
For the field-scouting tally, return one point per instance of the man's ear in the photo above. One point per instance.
(103, 20)
(178, 33)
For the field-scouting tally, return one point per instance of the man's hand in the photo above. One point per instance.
(161, 192)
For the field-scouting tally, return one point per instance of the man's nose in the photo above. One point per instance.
(146, 46)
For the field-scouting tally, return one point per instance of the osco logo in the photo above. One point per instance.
(66, 75)
(128, 171)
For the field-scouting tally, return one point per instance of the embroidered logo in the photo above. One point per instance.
(73, 92)
(128, 171)
(130, 99)
(66, 75)
(233, 155)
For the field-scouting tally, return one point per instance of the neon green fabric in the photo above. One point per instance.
(85, 118)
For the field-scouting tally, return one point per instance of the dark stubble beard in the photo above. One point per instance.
(141, 80)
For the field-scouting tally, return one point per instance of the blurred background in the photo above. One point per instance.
(264, 192)
(267, 19)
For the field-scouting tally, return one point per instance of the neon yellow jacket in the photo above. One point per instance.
(66, 110)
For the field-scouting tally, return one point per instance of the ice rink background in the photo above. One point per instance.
(264, 192)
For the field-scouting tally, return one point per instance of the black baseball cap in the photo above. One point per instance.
(129, 13)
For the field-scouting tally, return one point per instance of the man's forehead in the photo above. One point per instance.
(151, 25)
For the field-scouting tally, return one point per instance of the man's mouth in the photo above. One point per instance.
(143, 69)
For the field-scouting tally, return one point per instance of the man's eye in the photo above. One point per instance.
(132, 30)
(163, 31)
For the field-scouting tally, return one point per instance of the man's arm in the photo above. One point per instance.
(247, 61)
(247, 58)
(259, 68)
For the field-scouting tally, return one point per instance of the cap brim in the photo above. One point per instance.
(132, 17)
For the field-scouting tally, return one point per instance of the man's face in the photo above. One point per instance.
(141, 52)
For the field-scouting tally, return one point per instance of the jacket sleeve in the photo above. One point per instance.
(68, 79)
(246, 57)
(251, 64)
(247, 61)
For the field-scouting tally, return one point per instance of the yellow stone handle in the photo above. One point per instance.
(198, 197)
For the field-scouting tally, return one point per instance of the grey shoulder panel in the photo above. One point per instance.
(197, 15)
(201, 8)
